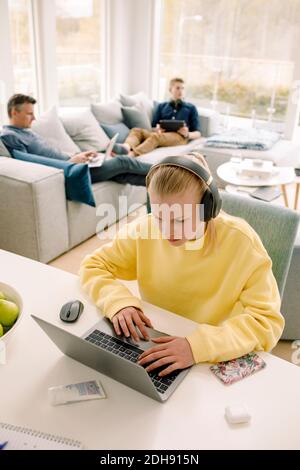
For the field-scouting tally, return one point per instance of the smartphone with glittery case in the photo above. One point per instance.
(232, 371)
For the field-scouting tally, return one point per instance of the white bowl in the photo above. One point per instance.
(11, 294)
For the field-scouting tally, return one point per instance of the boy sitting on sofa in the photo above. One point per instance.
(141, 141)
(18, 136)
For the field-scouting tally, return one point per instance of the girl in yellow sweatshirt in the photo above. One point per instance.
(215, 272)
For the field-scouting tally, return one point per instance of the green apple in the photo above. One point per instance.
(1, 330)
(2, 296)
(9, 312)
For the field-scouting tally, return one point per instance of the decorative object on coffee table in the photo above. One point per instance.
(241, 173)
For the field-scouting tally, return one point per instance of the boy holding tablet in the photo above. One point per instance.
(141, 141)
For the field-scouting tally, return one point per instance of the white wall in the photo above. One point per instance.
(6, 61)
(129, 27)
(142, 51)
(130, 53)
(45, 53)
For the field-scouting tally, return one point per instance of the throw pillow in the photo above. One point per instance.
(135, 116)
(84, 130)
(51, 129)
(139, 99)
(209, 122)
(120, 128)
(3, 150)
(108, 113)
(77, 176)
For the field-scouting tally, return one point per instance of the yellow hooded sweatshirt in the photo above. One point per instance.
(229, 290)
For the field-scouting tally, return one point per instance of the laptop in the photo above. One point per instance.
(101, 157)
(171, 125)
(115, 356)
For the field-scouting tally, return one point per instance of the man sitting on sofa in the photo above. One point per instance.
(18, 136)
(140, 141)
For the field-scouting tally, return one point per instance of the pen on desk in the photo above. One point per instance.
(3, 445)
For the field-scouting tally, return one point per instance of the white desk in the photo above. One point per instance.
(193, 418)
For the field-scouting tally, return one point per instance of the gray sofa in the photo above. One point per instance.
(291, 296)
(38, 222)
(36, 219)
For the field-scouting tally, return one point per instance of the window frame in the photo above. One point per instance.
(155, 40)
(290, 125)
(6, 73)
(7, 77)
(42, 24)
(104, 69)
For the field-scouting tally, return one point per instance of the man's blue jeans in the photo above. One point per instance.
(121, 169)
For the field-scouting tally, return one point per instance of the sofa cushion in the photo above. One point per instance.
(51, 129)
(136, 116)
(33, 210)
(84, 221)
(209, 121)
(78, 184)
(84, 130)
(120, 128)
(108, 113)
(161, 152)
(139, 99)
(3, 150)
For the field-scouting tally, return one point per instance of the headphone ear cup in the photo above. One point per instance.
(208, 202)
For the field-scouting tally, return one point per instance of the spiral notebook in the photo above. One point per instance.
(20, 438)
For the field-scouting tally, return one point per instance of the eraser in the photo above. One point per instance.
(237, 414)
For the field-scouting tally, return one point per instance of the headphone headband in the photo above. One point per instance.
(211, 198)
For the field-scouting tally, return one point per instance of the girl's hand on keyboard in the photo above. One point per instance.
(173, 352)
(127, 320)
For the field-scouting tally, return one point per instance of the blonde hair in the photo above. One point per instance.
(175, 80)
(171, 179)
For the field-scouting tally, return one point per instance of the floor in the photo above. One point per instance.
(71, 261)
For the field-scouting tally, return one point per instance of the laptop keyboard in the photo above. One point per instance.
(131, 353)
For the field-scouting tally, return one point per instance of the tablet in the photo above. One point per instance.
(266, 193)
(171, 125)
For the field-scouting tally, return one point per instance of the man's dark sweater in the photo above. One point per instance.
(25, 140)
(121, 169)
(181, 111)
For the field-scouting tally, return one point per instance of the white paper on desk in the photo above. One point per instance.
(20, 438)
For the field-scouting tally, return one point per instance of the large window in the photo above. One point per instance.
(236, 55)
(22, 46)
(79, 32)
